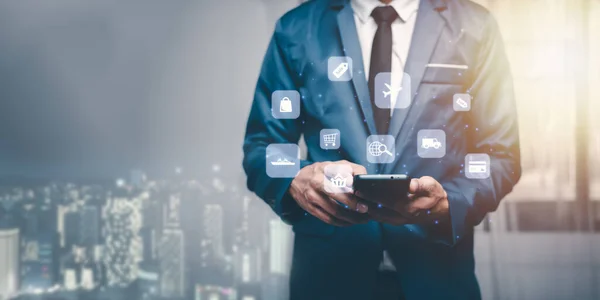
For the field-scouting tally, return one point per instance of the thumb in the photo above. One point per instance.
(414, 186)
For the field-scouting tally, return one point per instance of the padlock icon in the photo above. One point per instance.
(285, 106)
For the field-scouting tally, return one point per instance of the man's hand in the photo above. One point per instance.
(428, 201)
(309, 190)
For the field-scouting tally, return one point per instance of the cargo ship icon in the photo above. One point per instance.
(283, 162)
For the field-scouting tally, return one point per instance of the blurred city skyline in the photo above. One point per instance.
(92, 91)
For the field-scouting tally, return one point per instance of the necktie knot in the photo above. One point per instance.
(384, 14)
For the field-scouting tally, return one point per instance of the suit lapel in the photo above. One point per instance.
(351, 47)
(428, 27)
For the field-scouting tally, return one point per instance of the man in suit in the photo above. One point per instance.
(442, 53)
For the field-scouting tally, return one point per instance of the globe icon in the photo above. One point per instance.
(376, 148)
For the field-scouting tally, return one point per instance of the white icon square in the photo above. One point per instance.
(381, 149)
(330, 139)
(338, 178)
(392, 90)
(431, 143)
(461, 102)
(282, 160)
(477, 166)
(339, 68)
(285, 104)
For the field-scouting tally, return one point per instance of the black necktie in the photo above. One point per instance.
(381, 60)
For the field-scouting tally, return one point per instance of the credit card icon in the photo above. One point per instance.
(477, 167)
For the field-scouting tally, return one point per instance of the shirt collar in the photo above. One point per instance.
(364, 8)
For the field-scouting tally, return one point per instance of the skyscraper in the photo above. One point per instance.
(280, 250)
(172, 264)
(70, 279)
(72, 223)
(61, 213)
(149, 279)
(212, 221)
(280, 247)
(123, 247)
(9, 262)
(172, 212)
(248, 272)
(37, 261)
(89, 227)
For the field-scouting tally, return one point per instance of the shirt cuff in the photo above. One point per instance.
(285, 206)
(450, 231)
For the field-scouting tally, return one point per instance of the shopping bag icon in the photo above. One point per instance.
(285, 106)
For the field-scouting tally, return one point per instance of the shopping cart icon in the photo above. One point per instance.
(330, 139)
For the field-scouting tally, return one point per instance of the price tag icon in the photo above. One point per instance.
(339, 68)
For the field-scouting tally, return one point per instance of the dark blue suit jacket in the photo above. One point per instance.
(434, 261)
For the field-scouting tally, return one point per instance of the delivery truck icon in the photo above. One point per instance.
(427, 143)
(431, 143)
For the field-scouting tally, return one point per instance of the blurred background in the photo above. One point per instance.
(121, 124)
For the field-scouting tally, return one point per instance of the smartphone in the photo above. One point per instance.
(382, 186)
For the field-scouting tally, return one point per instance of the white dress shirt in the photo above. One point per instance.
(402, 30)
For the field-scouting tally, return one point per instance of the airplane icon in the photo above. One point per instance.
(390, 90)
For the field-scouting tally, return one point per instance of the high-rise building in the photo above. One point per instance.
(122, 243)
(248, 272)
(9, 262)
(61, 212)
(280, 252)
(149, 280)
(212, 222)
(153, 220)
(247, 261)
(37, 261)
(89, 227)
(72, 222)
(87, 278)
(30, 220)
(70, 279)
(149, 243)
(172, 264)
(280, 248)
(172, 212)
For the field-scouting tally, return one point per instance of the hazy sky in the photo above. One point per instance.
(96, 88)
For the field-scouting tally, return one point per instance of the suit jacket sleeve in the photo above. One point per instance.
(493, 130)
(263, 129)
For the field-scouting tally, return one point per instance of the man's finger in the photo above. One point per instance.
(421, 203)
(413, 188)
(334, 209)
(423, 185)
(386, 215)
(344, 213)
(441, 207)
(358, 169)
(337, 178)
(388, 201)
(322, 215)
(351, 201)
